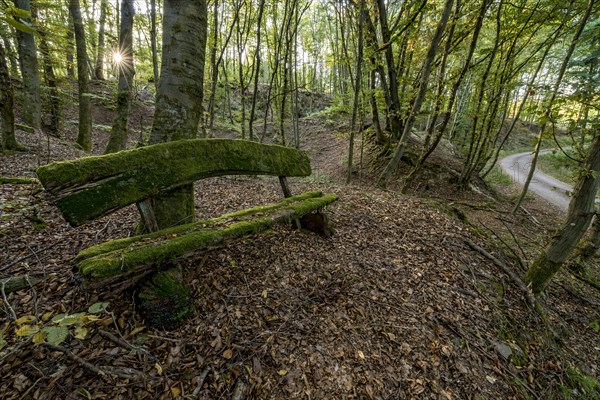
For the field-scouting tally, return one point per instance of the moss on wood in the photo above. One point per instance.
(17, 180)
(93, 186)
(180, 230)
(111, 261)
(164, 300)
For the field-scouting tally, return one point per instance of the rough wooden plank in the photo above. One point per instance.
(90, 187)
(116, 260)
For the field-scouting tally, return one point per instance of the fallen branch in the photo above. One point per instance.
(90, 367)
(515, 278)
(122, 343)
(123, 373)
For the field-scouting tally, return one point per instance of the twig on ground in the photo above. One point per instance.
(10, 310)
(239, 391)
(506, 269)
(123, 343)
(201, 380)
(528, 214)
(90, 367)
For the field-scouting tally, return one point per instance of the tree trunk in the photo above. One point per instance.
(32, 104)
(357, 87)
(256, 66)
(50, 79)
(84, 138)
(118, 134)
(179, 97)
(579, 215)
(99, 69)
(70, 48)
(153, 43)
(7, 112)
(548, 106)
(393, 164)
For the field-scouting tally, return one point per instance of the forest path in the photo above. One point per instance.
(517, 166)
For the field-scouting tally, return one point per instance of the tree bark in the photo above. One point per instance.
(28, 62)
(579, 215)
(118, 134)
(84, 137)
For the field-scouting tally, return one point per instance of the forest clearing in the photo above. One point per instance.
(320, 184)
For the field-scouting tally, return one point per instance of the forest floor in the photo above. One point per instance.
(408, 299)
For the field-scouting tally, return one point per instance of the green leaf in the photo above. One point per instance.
(18, 25)
(56, 334)
(97, 308)
(70, 319)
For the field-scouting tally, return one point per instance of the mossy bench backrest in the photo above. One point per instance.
(87, 188)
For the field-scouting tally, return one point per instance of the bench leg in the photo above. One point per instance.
(164, 300)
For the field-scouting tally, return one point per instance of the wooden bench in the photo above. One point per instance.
(90, 187)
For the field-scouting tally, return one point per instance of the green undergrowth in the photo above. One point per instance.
(559, 166)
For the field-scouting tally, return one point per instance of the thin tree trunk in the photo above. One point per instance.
(7, 112)
(548, 106)
(393, 164)
(84, 137)
(357, 87)
(32, 104)
(70, 48)
(50, 78)
(99, 70)
(257, 59)
(118, 134)
(453, 95)
(153, 43)
(579, 215)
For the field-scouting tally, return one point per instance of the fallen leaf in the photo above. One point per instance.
(227, 354)
(159, 369)
(282, 372)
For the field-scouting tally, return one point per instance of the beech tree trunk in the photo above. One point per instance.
(84, 137)
(179, 97)
(118, 134)
(28, 62)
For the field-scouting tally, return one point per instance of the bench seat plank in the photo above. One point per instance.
(113, 261)
(87, 188)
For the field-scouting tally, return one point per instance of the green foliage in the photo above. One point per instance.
(497, 177)
(59, 327)
(559, 166)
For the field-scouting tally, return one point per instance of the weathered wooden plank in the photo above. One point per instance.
(116, 260)
(90, 187)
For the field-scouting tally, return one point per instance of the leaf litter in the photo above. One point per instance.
(394, 305)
